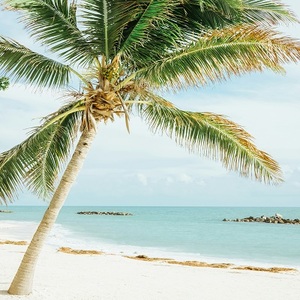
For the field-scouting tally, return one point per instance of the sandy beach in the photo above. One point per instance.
(63, 276)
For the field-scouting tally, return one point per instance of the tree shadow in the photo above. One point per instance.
(4, 292)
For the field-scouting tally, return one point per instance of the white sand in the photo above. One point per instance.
(61, 276)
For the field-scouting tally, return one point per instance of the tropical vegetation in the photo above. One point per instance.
(114, 58)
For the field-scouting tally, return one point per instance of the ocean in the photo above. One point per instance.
(185, 233)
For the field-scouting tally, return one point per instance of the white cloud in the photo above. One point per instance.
(201, 183)
(142, 178)
(297, 184)
(185, 178)
(169, 180)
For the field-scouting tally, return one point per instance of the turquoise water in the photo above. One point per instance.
(180, 232)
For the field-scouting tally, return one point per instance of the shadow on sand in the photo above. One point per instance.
(4, 292)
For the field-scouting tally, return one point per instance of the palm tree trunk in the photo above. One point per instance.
(23, 280)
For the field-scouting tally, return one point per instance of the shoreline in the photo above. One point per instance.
(61, 237)
(109, 276)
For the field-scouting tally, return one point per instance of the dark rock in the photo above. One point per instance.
(277, 219)
(106, 213)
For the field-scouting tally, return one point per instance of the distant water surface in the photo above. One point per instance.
(180, 232)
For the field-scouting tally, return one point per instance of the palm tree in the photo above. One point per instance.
(123, 54)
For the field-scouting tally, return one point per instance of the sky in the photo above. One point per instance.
(144, 169)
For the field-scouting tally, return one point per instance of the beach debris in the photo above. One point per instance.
(276, 219)
(6, 211)
(105, 213)
(79, 252)
(271, 270)
(19, 243)
(201, 264)
(183, 263)
(146, 258)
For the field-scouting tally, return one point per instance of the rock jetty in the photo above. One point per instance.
(276, 219)
(5, 211)
(104, 213)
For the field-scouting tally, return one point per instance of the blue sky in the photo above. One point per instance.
(146, 169)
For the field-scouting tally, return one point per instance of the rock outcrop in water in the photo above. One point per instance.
(277, 219)
(5, 211)
(105, 213)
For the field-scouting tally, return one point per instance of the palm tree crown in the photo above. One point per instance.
(124, 53)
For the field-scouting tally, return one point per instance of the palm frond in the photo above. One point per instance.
(54, 24)
(184, 22)
(210, 135)
(209, 14)
(104, 21)
(152, 23)
(4, 83)
(218, 13)
(36, 162)
(266, 12)
(20, 63)
(221, 54)
(12, 171)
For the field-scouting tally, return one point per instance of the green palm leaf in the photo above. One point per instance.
(220, 54)
(217, 13)
(211, 135)
(4, 83)
(153, 23)
(21, 64)
(104, 22)
(37, 161)
(265, 11)
(12, 181)
(208, 13)
(54, 23)
(174, 26)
